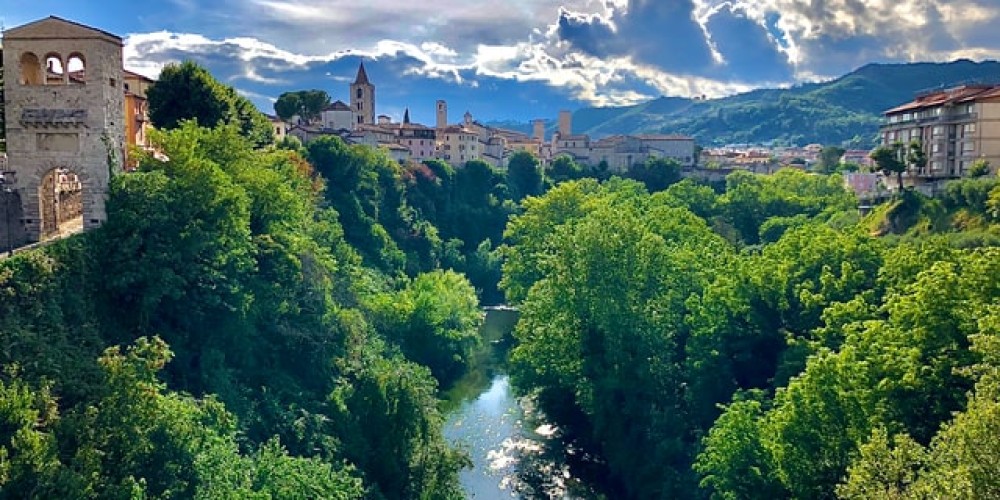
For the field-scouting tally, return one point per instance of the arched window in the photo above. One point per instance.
(361, 93)
(55, 70)
(31, 69)
(76, 66)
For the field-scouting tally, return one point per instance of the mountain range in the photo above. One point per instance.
(846, 110)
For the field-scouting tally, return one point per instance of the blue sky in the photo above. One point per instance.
(521, 59)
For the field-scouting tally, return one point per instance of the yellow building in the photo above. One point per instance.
(136, 114)
(457, 145)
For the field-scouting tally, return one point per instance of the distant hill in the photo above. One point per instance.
(845, 110)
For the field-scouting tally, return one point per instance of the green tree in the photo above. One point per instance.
(886, 467)
(916, 159)
(386, 410)
(656, 173)
(177, 248)
(524, 175)
(887, 159)
(734, 463)
(592, 340)
(979, 168)
(829, 159)
(435, 321)
(563, 168)
(188, 91)
(29, 458)
(307, 104)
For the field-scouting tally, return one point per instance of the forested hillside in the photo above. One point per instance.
(764, 342)
(845, 110)
(217, 339)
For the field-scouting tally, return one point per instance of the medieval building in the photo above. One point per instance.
(65, 123)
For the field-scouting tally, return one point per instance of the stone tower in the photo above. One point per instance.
(65, 121)
(442, 115)
(565, 123)
(538, 127)
(362, 98)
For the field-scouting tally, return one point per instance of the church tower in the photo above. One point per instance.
(362, 98)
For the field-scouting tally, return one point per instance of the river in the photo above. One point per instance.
(514, 452)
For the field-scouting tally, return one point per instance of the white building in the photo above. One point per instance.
(337, 116)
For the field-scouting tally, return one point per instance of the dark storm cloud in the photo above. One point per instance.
(750, 53)
(836, 36)
(661, 33)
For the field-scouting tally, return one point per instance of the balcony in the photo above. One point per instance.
(943, 119)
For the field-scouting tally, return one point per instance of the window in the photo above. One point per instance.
(76, 66)
(968, 147)
(360, 93)
(936, 147)
(54, 70)
(31, 69)
(968, 129)
(937, 131)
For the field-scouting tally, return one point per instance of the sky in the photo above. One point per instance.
(525, 59)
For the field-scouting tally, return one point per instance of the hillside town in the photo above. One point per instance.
(470, 139)
(954, 127)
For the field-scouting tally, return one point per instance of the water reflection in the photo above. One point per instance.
(514, 452)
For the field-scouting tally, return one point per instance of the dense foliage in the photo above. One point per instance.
(276, 322)
(761, 342)
(306, 104)
(187, 91)
(283, 378)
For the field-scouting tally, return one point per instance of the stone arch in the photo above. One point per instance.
(31, 69)
(60, 197)
(55, 69)
(76, 67)
(57, 201)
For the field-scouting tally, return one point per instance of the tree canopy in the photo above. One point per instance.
(307, 104)
(187, 91)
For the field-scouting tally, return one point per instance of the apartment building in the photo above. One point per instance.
(955, 126)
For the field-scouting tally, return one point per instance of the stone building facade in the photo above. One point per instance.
(64, 99)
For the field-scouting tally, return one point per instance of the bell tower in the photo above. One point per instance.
(362, 98)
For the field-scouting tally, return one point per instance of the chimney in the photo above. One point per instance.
(539, 131)
(442, 114)
(565, 123)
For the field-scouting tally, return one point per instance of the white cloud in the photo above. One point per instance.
(465, 42)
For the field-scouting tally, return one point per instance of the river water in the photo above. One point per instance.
(514, 452)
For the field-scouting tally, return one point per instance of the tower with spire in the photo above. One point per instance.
(362, 98)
